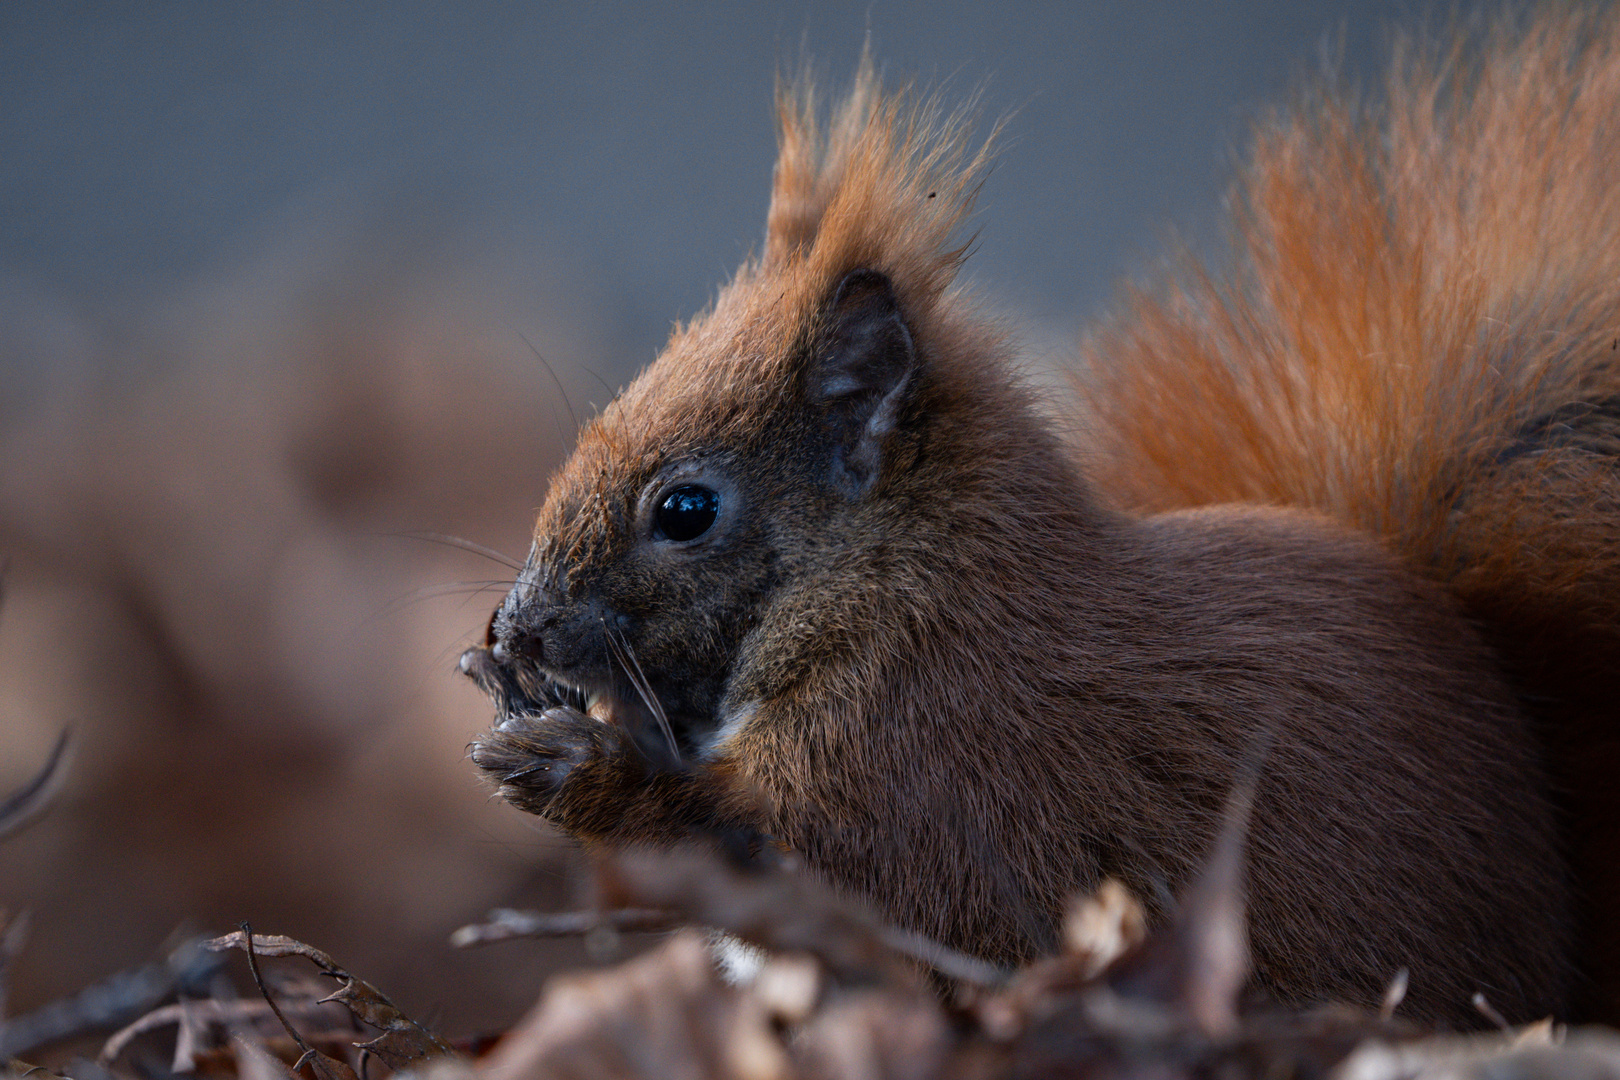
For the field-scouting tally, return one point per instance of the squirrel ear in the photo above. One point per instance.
(859, 374)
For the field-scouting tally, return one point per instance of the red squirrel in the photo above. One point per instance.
(826, 572)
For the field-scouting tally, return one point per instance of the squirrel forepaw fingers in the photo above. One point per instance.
(530, 757)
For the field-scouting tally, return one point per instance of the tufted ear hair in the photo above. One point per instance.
(797, 196)
(860, 372)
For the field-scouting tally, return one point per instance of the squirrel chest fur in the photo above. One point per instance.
(824, 573)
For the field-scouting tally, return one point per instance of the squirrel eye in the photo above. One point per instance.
(686, 513)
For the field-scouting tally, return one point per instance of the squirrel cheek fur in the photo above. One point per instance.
(900, 631)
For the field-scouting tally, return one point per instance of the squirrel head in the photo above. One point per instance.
(773, 430)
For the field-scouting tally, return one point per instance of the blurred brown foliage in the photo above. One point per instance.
(203, 514)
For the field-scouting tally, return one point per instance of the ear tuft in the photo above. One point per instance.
(797, 196)
(860, 373)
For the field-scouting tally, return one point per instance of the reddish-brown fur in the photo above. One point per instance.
(967, 671)
(1418, 292)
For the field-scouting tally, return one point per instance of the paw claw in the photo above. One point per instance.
(531, 756)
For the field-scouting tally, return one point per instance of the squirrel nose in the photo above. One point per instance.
(516, 641)
(495, 642)
(517, 629)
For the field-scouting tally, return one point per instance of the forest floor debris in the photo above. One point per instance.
(836, 995)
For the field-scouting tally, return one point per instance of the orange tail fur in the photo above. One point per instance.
(1419, 336)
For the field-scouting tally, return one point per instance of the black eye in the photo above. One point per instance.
(686, 513)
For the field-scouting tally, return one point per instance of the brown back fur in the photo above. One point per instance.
(1417, 336)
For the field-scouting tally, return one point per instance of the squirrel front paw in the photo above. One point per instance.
(541, 737)
(591, 778)
(530, 757)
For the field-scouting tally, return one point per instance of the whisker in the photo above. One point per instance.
(468, 589)
(569, 405)
(638, 678)
(611, 393)
(464, 545)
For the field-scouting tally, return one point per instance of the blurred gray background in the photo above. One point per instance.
(270, 275)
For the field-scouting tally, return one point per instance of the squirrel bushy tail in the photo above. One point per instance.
(1418, 335)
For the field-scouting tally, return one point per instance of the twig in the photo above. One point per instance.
(505, 923)
(945, 960)
(32, 799)
(13, 934)
(403, 1043)
(319, 1063)
(203, 1009)
(113, 1001)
